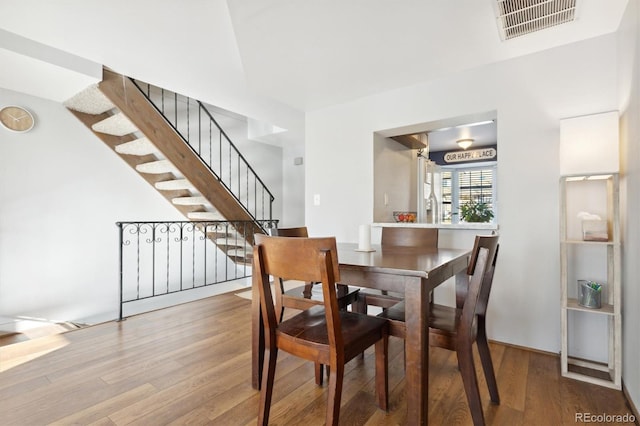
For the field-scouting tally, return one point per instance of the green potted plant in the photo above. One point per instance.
(472, 211)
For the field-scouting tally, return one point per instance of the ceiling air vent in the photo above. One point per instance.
(520, 17)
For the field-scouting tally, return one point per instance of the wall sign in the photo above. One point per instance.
(481, 154)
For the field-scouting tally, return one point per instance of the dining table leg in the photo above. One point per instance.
(417, 351)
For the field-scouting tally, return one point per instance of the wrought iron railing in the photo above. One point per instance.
(199, 129)
(161, 258)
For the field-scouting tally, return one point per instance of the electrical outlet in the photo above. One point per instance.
(316, 200)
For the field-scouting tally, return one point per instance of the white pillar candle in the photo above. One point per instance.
(364, 240)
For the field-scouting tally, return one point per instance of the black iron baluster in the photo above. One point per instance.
(175, 112)
(206, 227)
(121, 277)
(226, 264)
(193, 256)
(210, 144)
(153, 258)
(162, 100)
(189, 120)
(236, 192)
(215, 252)
(138, 261)
(168, 227)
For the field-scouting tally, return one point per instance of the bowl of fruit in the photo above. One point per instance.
(404, 216)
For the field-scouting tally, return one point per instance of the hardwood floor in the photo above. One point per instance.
(190, 364)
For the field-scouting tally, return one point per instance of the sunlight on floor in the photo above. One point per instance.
(14, 355)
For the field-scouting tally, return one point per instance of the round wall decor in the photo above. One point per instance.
(16, 119)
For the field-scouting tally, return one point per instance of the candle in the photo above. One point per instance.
(364, 240)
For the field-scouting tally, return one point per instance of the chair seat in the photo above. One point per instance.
(311, 325)
(442, 318)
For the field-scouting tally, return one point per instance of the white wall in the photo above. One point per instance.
(263, 158)
(394, 174)
(530, 94)
(629, 94)
(62, 191)
(293, 185)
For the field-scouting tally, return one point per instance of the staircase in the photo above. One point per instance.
(175, 144)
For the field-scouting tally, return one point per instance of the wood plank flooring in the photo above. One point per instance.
(190, 364)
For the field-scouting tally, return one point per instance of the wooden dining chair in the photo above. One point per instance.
(304, 297)
(321, 334)
(457, 328)
(395, 237)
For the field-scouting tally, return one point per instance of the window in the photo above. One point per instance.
(461, 185)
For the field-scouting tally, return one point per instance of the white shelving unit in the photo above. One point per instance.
(588, 331)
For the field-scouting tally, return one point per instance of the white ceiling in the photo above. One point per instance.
(262, 58)
(315, 53)
(482, 133)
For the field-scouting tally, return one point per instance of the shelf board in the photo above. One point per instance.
(591, 372)
(601, 243)
(573, 305)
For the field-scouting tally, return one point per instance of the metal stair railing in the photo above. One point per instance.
(158, 259)
(198, 128)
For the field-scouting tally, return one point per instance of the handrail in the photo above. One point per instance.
(163, 258)
(233, 171)
(204, 108)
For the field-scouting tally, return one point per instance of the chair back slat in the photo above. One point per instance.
(409, 237)
(489, 242)
(487, 283)
(295, 258)
(471, 303)
(300, 231)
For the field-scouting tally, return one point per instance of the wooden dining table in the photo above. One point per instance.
(412, 271)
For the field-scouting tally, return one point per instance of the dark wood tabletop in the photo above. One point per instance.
(414, 261)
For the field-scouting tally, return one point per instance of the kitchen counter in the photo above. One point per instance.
(490, 226)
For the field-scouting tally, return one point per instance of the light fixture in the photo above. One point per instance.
(464, 143)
